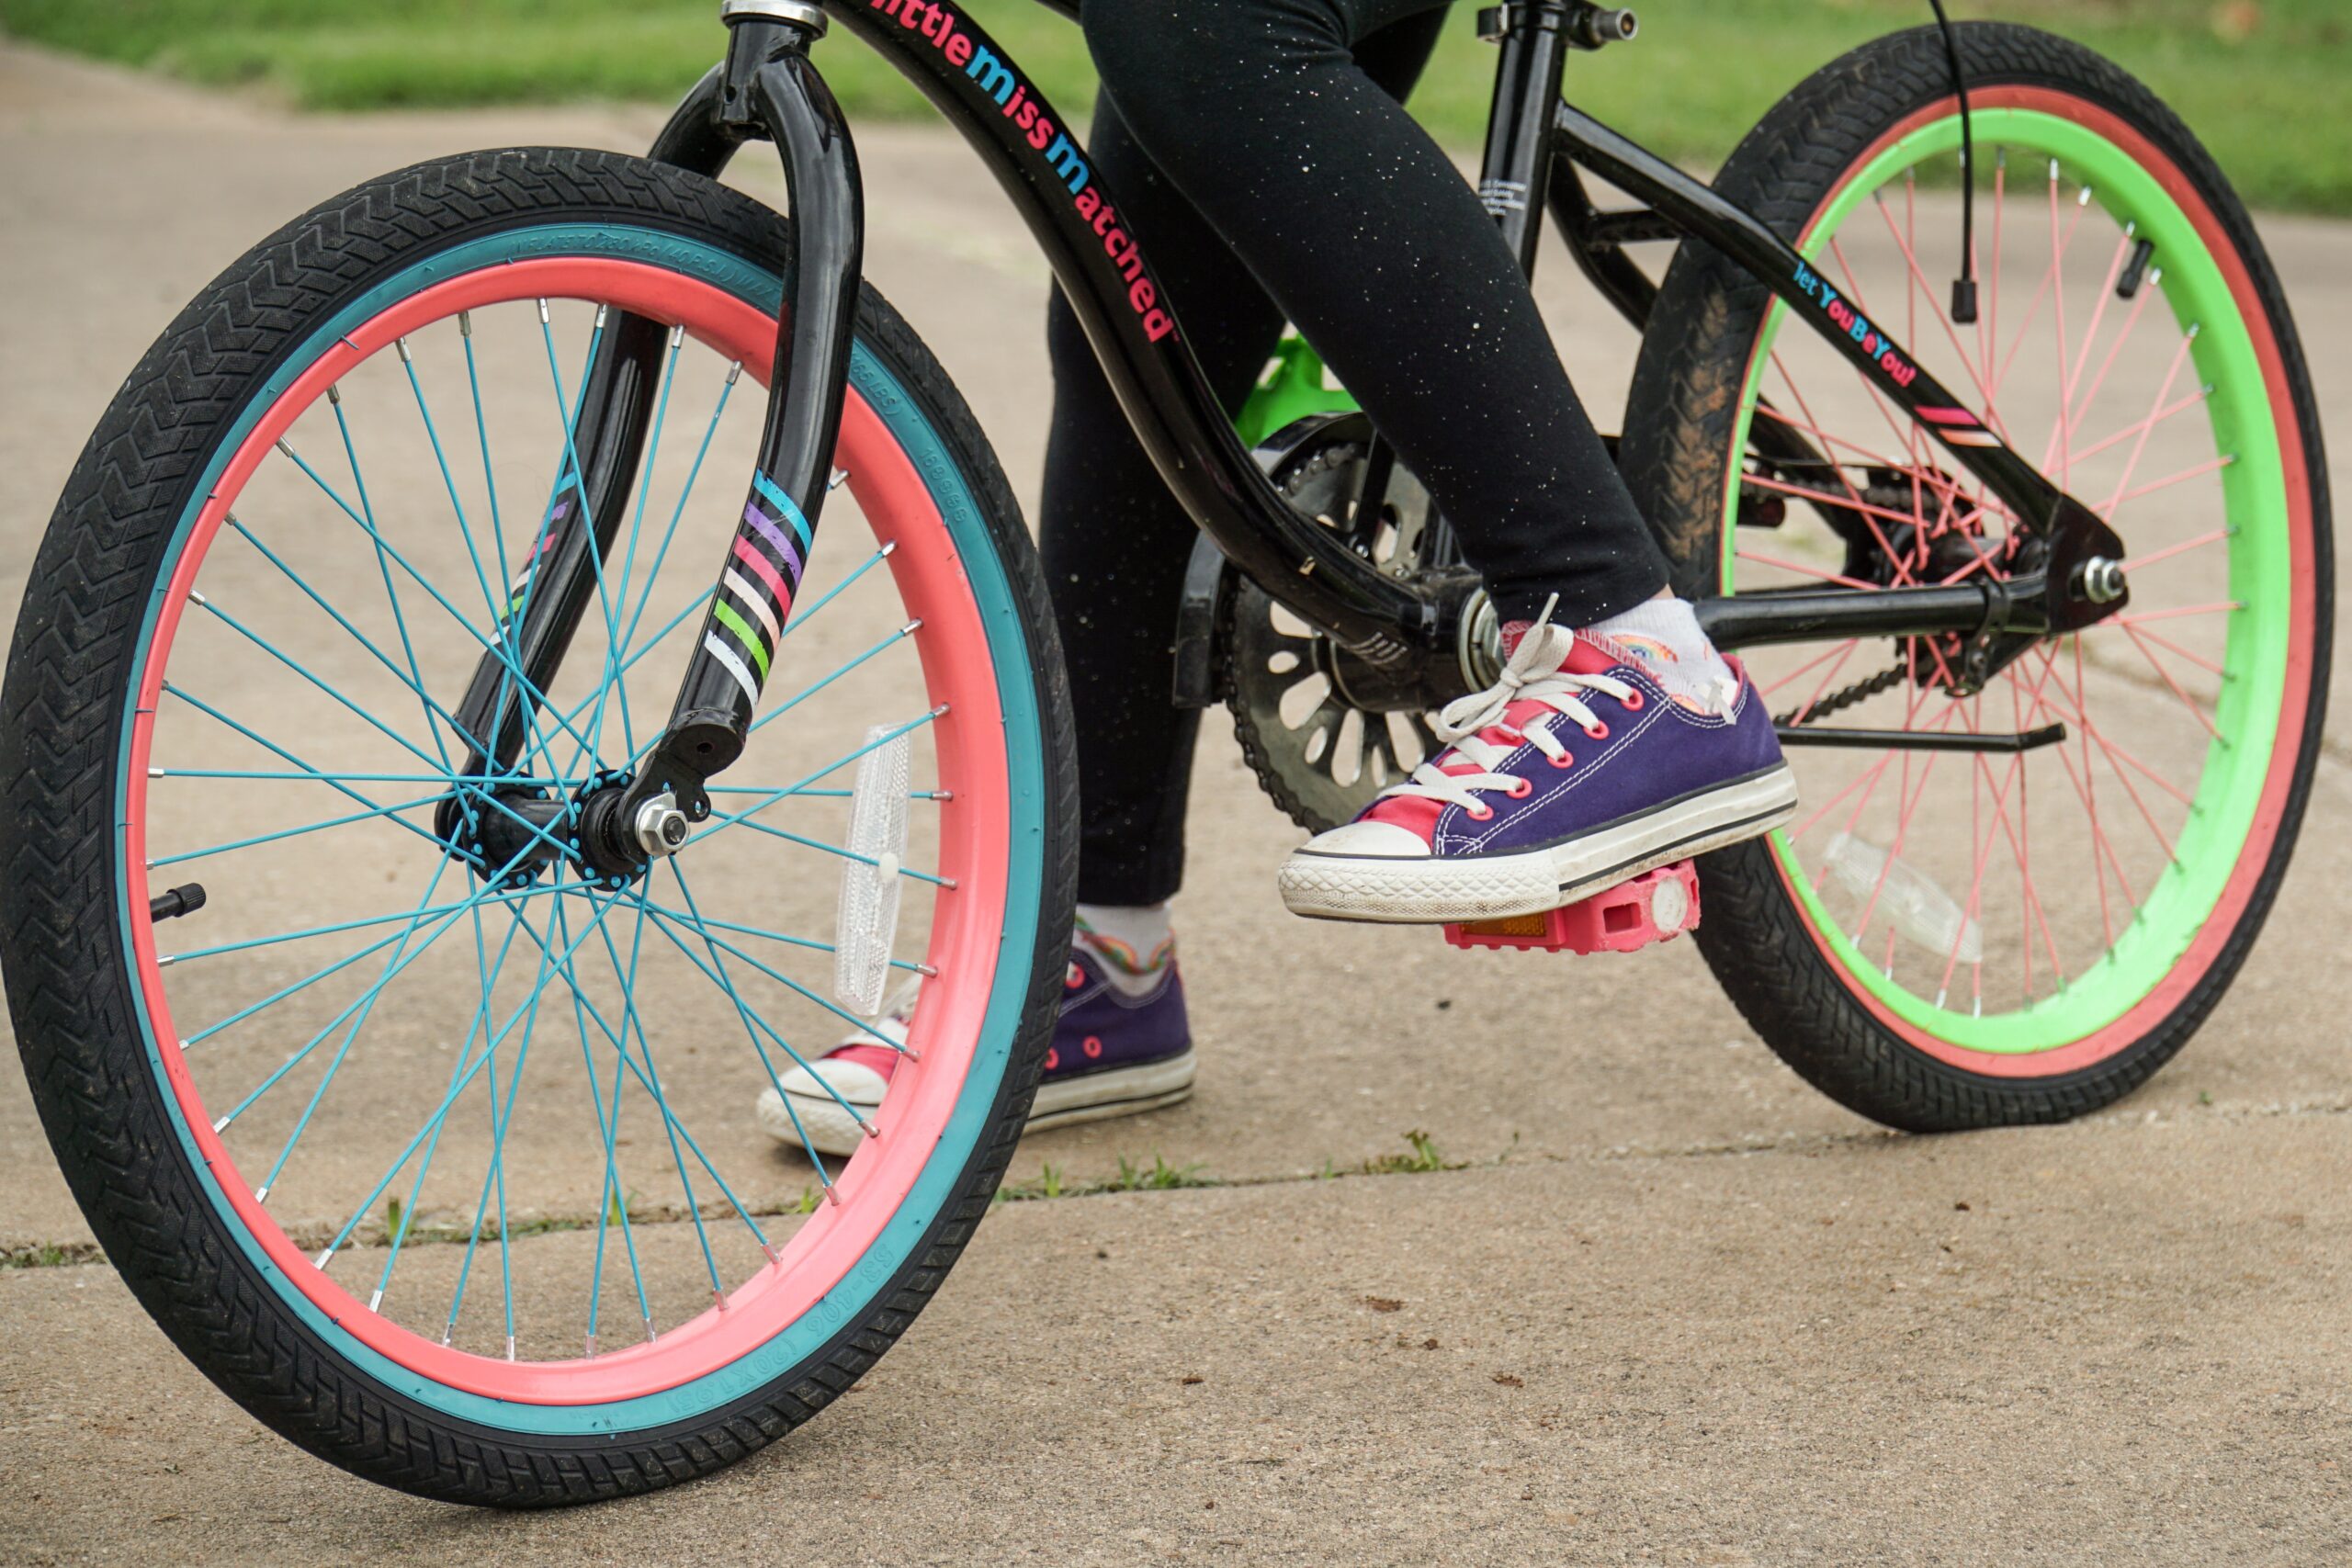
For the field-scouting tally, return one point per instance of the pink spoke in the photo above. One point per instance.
(2098, 835)
(2153, 485)
(1976, 882)
(2020, 839)
(1822, 498)
(2147, 428)
(2142, 617)
(2116, 755)
(2129, 430)
(2033, 306)
(1976, 885)
(2098, 314)
(1815, 662)
(2165, 675)
(2058, 312)
(2136, 562)
(1868, 777)
(1918, 280)
(1905, 430)
(1822, 685)
(2131, 319)
(1811, 422)
(2165, 642)
(1878, 771)
(2090, 798)
(1901, 834)
(1760, 559)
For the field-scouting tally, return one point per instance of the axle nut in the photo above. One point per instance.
(661, 826)
(2100, 580)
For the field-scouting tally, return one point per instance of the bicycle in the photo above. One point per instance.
(351, 597)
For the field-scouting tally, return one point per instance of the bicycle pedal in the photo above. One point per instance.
(1656, 905)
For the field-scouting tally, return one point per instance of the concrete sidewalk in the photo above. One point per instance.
(1682, 1309)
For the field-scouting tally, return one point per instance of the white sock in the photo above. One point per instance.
(1133, 941)
(1662, 635)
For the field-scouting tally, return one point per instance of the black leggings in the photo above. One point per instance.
(1261, 154)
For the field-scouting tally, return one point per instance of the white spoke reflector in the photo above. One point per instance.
(866, 921)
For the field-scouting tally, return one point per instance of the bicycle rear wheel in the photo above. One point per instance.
(446, 1169)
(1950, 939)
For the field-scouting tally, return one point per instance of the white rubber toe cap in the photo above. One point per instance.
(1381, 840)
(861, 1086)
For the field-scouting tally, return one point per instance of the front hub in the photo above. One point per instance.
(513, 834)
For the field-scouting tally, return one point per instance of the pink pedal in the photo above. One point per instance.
(1656, 905)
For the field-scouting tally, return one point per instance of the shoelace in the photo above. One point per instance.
(1532, 674)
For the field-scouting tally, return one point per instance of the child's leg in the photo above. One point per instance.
(1594, 758)
(1369, 239)
(1115, 546)
(1114, 542)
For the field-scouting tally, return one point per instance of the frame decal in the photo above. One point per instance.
(996, 79)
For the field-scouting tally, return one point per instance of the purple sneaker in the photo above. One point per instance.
(1574, 773)
(1114, 1055)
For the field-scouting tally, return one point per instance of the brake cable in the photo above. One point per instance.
(1963, 288)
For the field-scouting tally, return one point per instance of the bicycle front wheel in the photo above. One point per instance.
(448, 1171)
(1962, 939)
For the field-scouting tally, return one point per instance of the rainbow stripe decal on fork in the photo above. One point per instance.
(755, 588)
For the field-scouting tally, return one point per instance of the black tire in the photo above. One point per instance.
(1678, 454)
(69, 984)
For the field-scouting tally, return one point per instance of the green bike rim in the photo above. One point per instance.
(2222, 813)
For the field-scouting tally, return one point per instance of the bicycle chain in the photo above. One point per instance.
(1847, 696)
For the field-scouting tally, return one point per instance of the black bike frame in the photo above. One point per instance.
(1408, 631)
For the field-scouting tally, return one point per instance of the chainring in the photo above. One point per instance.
(1316, 753)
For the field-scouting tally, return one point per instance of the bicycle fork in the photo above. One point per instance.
(634, 817)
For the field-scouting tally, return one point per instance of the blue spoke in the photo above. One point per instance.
(490, 976)
(815, 686)
(649, 1075)
(653, 453)
(685, 494)
(405, 959)
(771, 797)
(449, 481)
(693, 915)
(366, 1007)
(368, 1203)
(716, 972)
(496, 1174)
(811, 690)
(315, 776)
(809, 943)
(481, 434)
(752, 1027)
(829, 849)
(613, 1195)
(357, 635)
(400, 621)
(498, 651)
(702, 603)
(308, 772)
(292, 832)
(278, 996)
(402, 741)
(168, 959)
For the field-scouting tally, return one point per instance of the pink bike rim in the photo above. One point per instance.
(975, 855)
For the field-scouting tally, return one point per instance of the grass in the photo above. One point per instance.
(2237, 71)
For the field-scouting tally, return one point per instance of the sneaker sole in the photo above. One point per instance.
(1095, 1096)
(1430, 890)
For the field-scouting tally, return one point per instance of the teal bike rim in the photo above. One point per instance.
(853, 1294)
